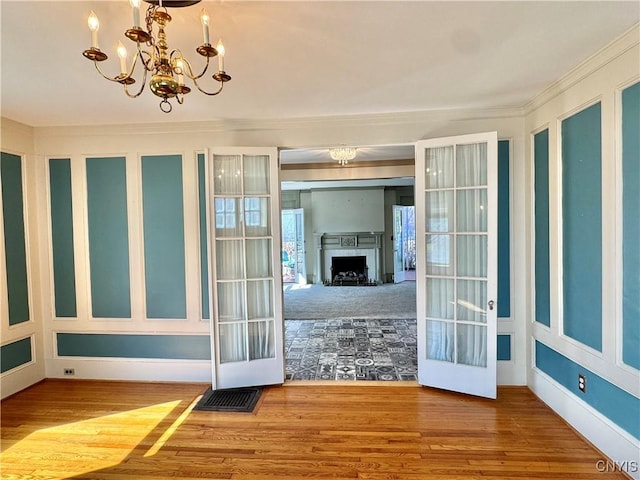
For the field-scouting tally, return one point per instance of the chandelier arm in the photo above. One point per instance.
(189, 70)
(142, 85)
(146, 64)
(111, 79)
(137, 56)
(211, 94)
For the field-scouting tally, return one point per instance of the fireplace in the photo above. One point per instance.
(349, 270)
(332, 247)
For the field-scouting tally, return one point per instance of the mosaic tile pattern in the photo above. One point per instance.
(351, 349)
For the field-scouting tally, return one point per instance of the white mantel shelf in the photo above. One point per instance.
(346, 244)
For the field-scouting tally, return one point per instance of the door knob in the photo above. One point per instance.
(491, 304)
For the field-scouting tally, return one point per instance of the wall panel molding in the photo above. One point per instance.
(16, 249)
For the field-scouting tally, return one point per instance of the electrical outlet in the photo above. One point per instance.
(69, 371)
(582, 383)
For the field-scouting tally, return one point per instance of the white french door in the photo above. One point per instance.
(456, 237)
(398, 244)
(244, 231)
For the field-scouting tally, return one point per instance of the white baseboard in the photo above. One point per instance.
(149, 370)
(20, 378)
(614, 442)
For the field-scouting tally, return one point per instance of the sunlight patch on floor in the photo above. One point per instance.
(77, 448)
(296, 286)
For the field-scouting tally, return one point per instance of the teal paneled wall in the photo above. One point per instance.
(108, 237)
(163, 218)
(204, 256)
(504, 347)
(541, 206)
(620, 407)
(582, 226)
(631, 225)
(62, 237)
(175, 347)
(504, 260)
(15, 354)
(14, 237)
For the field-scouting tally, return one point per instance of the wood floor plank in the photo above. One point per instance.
(146, 431)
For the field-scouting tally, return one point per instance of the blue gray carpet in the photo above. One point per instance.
(351, 349)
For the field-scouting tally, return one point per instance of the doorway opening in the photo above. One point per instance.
(346, 318)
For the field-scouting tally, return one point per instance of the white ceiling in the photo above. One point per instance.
(293, 59)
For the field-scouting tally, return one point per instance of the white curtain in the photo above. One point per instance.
(244, 267)
(456, 330)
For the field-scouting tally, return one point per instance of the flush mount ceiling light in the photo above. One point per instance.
(168, 68)
(343, 154)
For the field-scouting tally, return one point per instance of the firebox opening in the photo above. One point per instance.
(350, 271)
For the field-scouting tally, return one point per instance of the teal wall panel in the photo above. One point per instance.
(163, 218)
(14, 237)
(631, 226)
(108, 237)
(15, 354)
(619, 406)
(582, 226)
(174, 347)
(504, 255)
(204, 256)
(504, 347)
(62, 237)
(541, 207)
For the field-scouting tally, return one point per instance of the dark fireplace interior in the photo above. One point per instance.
(349, 271)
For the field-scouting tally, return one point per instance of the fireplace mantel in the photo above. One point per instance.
(348, 244)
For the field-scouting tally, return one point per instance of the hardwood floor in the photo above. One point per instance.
(121, 430)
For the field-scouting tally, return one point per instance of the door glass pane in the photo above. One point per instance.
(472, 299)
(227, 213)
(440, 299)
(472, 255)
(230, 301)
(256, 217)
(439, 255)
(259, 258)
(256, 175)
(226, 175)
(440, 212)
(472, 210)
(229, 260)
(261, 341)
(233, 346)
(440, 341)
(439, 167)
(259, 299)
(471, 165)
(472, 345)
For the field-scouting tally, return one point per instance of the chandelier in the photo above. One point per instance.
(343, 154)
(168, 69)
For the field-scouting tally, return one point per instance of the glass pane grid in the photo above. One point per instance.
(242, 212)
(465, 341)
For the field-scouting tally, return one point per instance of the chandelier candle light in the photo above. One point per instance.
(168, 69)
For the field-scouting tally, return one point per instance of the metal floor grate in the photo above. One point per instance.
(231, 400)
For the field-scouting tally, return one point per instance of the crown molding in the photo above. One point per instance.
(604, 56)
(257, 125)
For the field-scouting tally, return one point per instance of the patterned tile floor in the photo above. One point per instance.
(351, 349)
